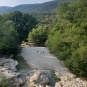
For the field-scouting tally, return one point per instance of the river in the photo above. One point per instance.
(41, 59)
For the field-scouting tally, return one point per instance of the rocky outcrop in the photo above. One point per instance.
(69, 80)
(37, 78)
(8, 69)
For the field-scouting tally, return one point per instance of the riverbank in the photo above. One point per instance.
(39, 58)
(33, 59)
(9, 72)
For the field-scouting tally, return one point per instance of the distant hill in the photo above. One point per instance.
(4, 9)
(44, 7)
(47, 6)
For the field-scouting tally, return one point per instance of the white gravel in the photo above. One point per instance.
(44, 61)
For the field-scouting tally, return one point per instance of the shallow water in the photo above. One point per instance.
(33, 58)
(24, 69)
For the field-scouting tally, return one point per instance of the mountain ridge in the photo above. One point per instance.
(44, 7)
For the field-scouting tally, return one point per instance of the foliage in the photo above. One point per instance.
(38, 35)
(45, 18)
(68, 38)
(55, 76)
(14, 28)
(4, 82)
(23, 23)
(8, 38)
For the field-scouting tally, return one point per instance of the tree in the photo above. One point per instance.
(23, 23)
(70, 36)
(38, 35)
(8, 38)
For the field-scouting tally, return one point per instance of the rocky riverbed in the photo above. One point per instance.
(41, 62)
(8, 70)
(41, 59)
(38, 78)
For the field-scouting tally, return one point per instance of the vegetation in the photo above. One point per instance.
(55, 76)
(45, 21)
(14, 28)
(38, 35)
(45, 18)
(23, 23)
(68, 38)
(4, 82)
(65, 36)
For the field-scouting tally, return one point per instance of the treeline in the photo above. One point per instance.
(45, 20)
(14, 28)
(68, 37)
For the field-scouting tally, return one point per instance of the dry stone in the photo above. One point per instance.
(37, 78)
(69, 80)
(8, 69)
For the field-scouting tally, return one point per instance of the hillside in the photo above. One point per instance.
(44, 7)
(4, 9)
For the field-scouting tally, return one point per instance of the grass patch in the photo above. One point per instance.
(5, 82)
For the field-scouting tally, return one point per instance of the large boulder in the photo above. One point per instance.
(17, 82)
(8, 70)
(37, 78)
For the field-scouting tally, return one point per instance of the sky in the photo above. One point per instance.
(13, 3)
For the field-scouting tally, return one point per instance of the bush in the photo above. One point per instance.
(4, 82)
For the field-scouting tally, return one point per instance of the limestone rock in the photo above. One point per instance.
(8, 69)
(70, 80)
(37, 78)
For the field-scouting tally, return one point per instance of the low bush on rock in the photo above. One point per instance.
(4, 82)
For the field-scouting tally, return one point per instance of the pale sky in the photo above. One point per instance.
(18, 2)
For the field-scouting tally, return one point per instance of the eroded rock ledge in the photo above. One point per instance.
(69, 80)
(8, 69)
(38, 78)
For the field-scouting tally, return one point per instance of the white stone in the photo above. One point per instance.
(48, 86)
(37, 77)
(7, 69)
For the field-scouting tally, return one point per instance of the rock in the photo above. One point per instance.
(37, 78)
(48, 86)
(17, 82)
(7, 69)
(21, 81)
(58, 84)
(69, 80)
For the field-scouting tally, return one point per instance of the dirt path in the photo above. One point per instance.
(40, 58)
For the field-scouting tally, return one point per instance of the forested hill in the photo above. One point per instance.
(4, 9)
(44, 7)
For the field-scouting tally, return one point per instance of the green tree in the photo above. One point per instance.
(69, 36)
(23, 23)
(38, 35)
(8, 38)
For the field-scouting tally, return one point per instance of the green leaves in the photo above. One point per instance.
(4, 82)
(38, 35)
(23, 23)
(14, 28)
(8, 38)
(68, 38)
